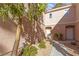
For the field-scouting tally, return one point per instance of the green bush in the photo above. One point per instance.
(58, 5)
(29, 51)
(42, 44)
(58, 36)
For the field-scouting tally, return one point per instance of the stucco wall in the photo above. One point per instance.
(77, 23)
(7, 36)
(67, 14)
(60, 19)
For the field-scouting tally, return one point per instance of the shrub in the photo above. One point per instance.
(58, 36)
(42, 44)
(29, 51)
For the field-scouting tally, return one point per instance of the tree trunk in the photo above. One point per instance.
(18, 33)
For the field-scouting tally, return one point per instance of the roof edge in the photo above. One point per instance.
(59, 8)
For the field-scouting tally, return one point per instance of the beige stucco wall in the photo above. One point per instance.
(7, 37)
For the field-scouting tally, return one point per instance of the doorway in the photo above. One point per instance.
(70, 33)
(47, 31)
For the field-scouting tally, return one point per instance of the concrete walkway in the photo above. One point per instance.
(57, 50)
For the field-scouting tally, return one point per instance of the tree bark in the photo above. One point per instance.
(17, 40)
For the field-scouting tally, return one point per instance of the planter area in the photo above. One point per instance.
(45, 51)
(40, 49)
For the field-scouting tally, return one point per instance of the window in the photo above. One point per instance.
(50, 15)
(48, 27)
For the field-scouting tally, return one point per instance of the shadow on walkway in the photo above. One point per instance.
(61, 50)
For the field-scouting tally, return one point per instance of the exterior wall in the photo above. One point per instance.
(7, 36)
(77, 23)
(60, 19)
(60, 28)
(77, 30)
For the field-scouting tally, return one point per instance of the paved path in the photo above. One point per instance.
(59, 50)
(55, 52)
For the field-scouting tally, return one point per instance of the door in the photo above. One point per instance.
(70, 33)
(48, 31)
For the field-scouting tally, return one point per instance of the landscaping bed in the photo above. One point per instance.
(45, 51)
(40, 49)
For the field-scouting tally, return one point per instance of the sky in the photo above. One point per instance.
(50, 6)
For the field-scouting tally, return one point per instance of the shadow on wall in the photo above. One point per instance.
(7, 36)
(8, 25)
(34, 36)
(66, 20)
(2, 49)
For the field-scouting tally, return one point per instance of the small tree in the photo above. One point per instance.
(17, 12)
(35, 11)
